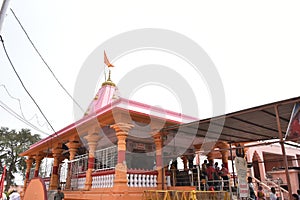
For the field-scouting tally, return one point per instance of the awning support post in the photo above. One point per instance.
(234, 182)
(283, 152)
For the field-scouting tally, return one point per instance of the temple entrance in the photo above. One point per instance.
(255, 165)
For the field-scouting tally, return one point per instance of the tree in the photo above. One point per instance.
(12, 143)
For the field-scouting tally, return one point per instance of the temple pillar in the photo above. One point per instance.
(161, 183)
(122, 129)
(28, 161)
(73, 146)
(56, 152)
(210, 158)
(185, 162)
(92, 140)
(38, 159)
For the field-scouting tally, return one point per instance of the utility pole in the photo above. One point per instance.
(3, 12)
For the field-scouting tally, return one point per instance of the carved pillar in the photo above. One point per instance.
(38, 160)
(28, 161)
(73, 146)
(54, 176)
(185, 162)
(210, 158)
(92, 139)
(161, 180)
(122, 130)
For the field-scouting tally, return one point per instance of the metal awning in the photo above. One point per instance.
(253, 124)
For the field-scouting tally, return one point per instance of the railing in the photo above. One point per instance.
(141, 178)
(284, 194)
(103, 179)
(184, 195)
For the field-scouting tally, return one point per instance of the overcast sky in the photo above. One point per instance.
(254, 46)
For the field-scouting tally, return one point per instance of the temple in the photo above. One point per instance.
(121, 148)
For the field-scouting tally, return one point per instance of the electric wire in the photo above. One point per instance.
(19, 78)
(21, 110)
(44, 61)
(16, 115)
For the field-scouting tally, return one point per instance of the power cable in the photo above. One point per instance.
(21, 110)
(6, 53)
(16, 115)
(44, 61)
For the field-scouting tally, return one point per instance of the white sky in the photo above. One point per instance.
(254, 45)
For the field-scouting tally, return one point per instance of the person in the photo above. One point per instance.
(273, 194)
(204, 167)
(224, 174)
(3, 196)
(260, 193)
(59, 195)
(210, 174)
(251, 189)
(295, 196)
(14, 195)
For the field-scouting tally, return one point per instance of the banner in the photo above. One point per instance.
(293, 130)
(241, 168)
(2, 181)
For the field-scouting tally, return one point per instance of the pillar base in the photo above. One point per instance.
(120, 182)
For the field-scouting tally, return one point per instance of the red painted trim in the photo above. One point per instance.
(158, 161)
(36, 173)
(55, 170)
(140, 171)
(121, 156)
(104, 172)
(27, 175)
(91, 162)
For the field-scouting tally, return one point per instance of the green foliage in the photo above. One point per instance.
(12, 143)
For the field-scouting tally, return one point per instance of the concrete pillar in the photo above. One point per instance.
(73, 146)
(210, 158)
(161, 180)
(56, 152)
(28, 161)
(120, 182)
(92, 140)
(38, 160)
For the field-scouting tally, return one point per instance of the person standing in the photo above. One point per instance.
(14, 195)
(273, 194)
(260, 193)
(224, 174)
(210, 174)
(251, 189)
(59, 195)
(295, 196)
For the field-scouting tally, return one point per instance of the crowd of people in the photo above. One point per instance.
(260, 194)
(214, 175)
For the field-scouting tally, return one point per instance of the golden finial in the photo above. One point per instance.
(108, 64)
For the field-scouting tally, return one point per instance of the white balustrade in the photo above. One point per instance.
(142, 180)
(104, 181)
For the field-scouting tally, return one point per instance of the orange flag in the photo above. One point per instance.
(106, 61)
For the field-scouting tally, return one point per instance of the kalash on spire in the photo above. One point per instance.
(109, 65)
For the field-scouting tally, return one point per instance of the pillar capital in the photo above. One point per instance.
(122, 127)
